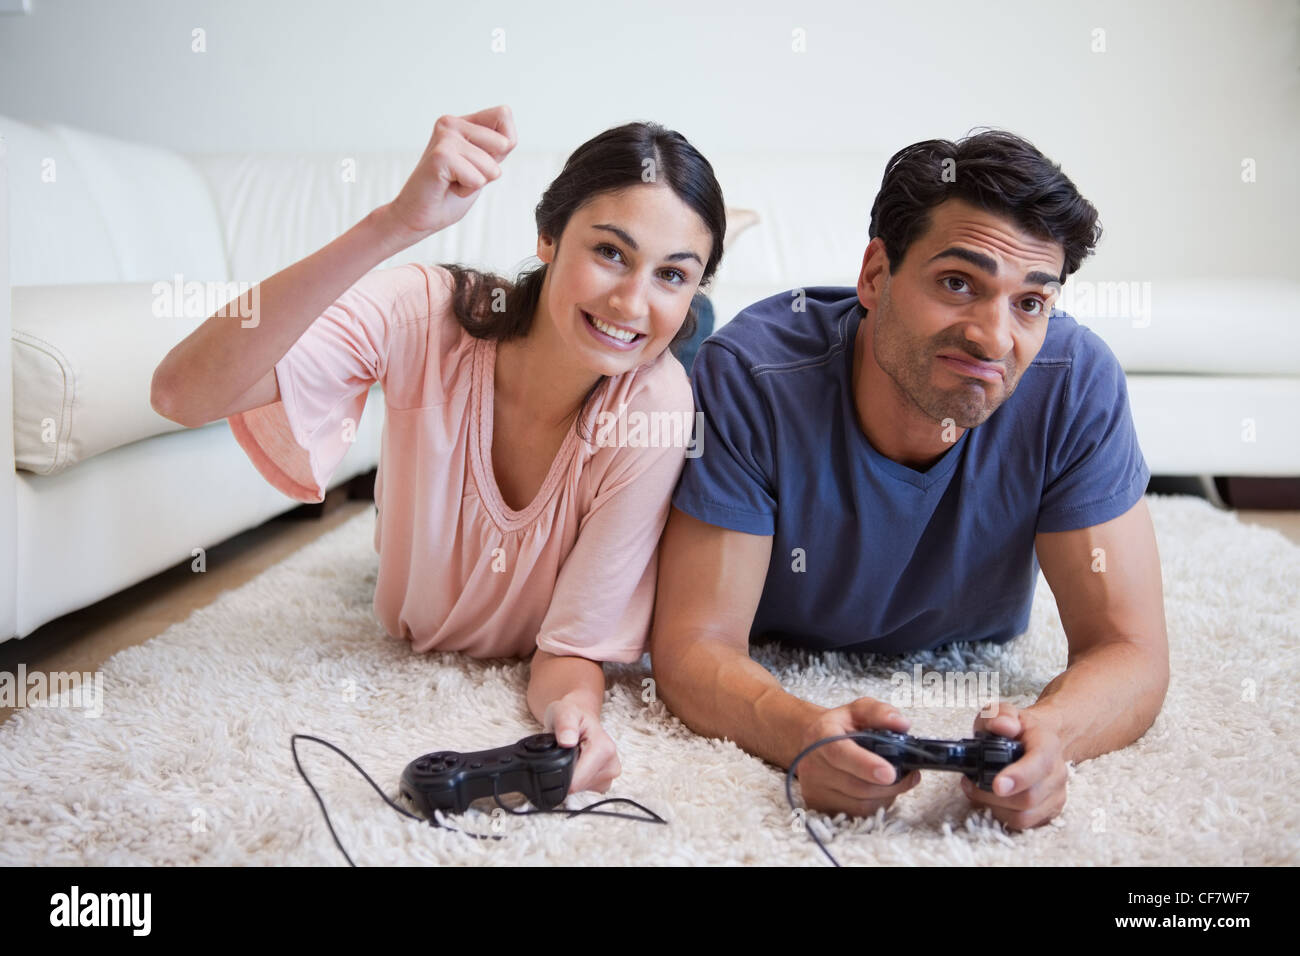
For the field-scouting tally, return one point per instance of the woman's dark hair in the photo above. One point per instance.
(489, 306)
(997, 171)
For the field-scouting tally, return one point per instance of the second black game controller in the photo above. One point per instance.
(537, 766)
(980, 758)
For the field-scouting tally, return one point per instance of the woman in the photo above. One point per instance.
(509, 523)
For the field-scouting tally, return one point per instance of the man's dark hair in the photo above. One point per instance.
(994, 170)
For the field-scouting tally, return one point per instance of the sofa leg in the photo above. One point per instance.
(1262, 494)
(1210, 488)
(362, 486)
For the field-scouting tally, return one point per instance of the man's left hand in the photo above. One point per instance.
(1031, 791)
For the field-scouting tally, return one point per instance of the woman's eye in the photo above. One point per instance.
(602, 249)
(681, 276)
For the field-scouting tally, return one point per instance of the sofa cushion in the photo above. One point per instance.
(56, 233)
(276, 208)
(159, 211)
(83, 361)
(93, 208)
(1213, 326)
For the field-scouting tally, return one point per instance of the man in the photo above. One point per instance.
(885, 469)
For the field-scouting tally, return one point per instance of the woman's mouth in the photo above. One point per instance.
(609, 335)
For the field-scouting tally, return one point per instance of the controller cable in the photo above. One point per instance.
(790, 774)
(591, 808)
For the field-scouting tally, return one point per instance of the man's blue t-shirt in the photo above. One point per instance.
(869, 554)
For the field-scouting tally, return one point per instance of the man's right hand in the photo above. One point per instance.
(843, 776)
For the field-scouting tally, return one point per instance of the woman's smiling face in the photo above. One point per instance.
(630, 261)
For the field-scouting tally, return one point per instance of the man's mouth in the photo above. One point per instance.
(972, 368)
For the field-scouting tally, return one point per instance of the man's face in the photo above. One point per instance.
(955, 334)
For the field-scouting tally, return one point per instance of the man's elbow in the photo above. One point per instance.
(663, 668)
(1159, 680)
(1154, 688)
(679, 663)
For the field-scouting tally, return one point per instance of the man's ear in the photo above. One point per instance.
(875, 266)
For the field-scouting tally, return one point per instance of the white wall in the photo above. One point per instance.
(1153, 130)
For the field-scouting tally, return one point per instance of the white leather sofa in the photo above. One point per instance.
(105, 492)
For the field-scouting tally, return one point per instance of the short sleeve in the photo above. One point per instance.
(1095, 470)
(297, 442)
(604, 594)
(729, 481)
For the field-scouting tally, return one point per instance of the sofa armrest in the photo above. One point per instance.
(8, 480)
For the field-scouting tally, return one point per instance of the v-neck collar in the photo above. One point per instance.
(482, 407)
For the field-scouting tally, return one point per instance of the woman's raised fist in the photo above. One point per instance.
(464, 155)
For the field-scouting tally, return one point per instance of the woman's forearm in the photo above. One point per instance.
(221, 359)
(553, 677)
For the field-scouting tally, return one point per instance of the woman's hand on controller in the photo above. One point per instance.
(597, 763)
(463, 155)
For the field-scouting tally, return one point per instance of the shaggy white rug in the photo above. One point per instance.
(190, 760)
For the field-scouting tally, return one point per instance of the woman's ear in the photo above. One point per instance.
(545, 248)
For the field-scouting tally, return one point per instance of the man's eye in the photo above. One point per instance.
(1039, 302)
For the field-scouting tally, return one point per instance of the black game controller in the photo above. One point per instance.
(980, 758)
(536, 766)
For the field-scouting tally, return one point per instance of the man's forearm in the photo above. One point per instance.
(552, 677)
(720, 691)
(1105, 699)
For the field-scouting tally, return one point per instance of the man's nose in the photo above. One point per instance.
(991, 330)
